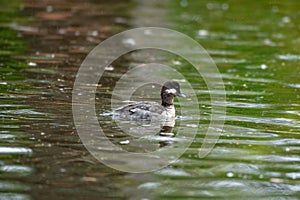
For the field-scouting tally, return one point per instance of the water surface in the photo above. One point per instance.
(255, 46)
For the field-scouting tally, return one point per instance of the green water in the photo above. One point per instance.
(256, 48)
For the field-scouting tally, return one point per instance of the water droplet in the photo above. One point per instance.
(124, 142)
(261, 176)
(263, 66)
(32, 64)
(286, 19)
(176, 62)
(230, 174)
(109, 68)
(129, 42)
(203, 33)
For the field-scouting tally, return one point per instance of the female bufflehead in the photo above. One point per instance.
(147, 110)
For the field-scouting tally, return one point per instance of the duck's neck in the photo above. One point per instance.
(167, 100)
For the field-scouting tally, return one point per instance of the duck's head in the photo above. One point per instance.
(170, 90)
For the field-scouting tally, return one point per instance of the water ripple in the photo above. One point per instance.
(14, 150)
(274, 121)
(22, 111)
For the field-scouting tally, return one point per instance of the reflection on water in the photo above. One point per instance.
(254, 45)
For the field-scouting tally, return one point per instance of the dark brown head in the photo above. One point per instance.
(170, 90)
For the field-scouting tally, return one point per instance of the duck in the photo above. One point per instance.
(147, 110)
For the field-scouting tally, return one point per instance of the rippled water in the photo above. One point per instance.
(255, 46)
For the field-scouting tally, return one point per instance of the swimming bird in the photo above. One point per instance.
(147, 110)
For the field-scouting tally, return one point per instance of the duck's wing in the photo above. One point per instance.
(141, 110)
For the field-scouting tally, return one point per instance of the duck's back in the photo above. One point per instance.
(140, 110)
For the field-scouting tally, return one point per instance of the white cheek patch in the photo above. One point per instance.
(171, 91)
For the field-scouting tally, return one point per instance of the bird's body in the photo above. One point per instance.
(145, 110)
(149, 110)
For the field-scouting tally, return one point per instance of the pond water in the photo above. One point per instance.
(256, 48)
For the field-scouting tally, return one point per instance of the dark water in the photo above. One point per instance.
(255, 46)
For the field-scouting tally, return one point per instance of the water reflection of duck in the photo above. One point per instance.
(147, 110)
